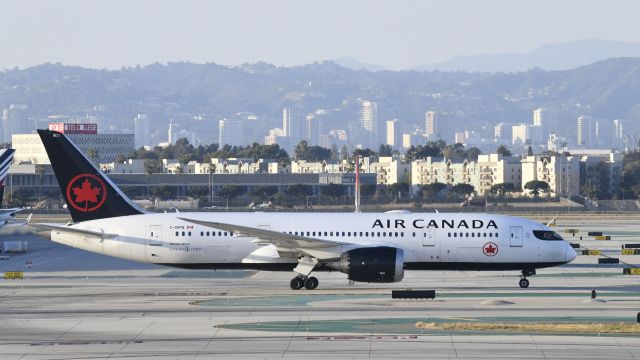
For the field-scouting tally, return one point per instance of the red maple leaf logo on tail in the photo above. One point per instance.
(86, 193)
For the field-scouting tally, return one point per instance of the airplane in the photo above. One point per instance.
(6, 215)
(368, 247)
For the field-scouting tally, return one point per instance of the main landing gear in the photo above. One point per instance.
(308, 282)
(524, 283)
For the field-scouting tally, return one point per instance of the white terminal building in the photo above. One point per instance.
(105, 148)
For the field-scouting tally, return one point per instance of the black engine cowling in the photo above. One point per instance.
(374, 264)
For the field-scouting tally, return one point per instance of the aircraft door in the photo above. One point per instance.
(154, 242)
(430, 246)
(428, 237)
(516, 236)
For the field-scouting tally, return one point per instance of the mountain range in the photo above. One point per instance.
(555, 56)
(198, 95)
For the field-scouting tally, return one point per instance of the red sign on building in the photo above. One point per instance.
(74, 128)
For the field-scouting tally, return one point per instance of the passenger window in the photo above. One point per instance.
(314, 233)
(343, 233)
(485, 234)
(219, 233)
(414, 234)
(455, 234)
(201, 233)
(296, 233)
(496, 234)
(183, 233)
(331, 233)
(189, 233)
(473, 235)
(490, 234)
(448, 235)
(349, 233)
(366, 233)
(177, 233)
(225, 233)
(396, 234)
(467, 235)
(378, 233)
(360, 233)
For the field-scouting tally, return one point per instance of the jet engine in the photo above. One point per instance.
(381, 264)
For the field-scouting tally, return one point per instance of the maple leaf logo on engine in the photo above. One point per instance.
(86, 192)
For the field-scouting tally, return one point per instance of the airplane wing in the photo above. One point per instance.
(76, 231)
(276, 238)
(5, 213)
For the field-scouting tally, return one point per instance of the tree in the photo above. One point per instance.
(535, 187)
(333, 190)
(472, 154)
(502, 189)
(430, 192)
(121, 159)
(364, 152)
(385, 150)
(231, 191)
(400, 188)
(299, 190)
(504, 151)
(311, 153)
(264, 191)
(92, 154)
(368, 189)
(152, 166)
(529, 151)
(462, 189)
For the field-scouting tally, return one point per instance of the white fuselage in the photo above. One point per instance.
(429, 240)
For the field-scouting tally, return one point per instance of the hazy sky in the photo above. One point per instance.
(392, 33)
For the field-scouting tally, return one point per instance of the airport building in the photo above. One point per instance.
(102, 148)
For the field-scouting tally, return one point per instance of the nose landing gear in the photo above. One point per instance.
(524, 283)
(308, 283)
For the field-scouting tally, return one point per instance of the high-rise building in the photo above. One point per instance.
(293, 125)
(520, 134)
(460, 137)
(586, 131)
(538, 116)
(141, 131)
(170, 137)
(502, 131)
(618, 131)
(393, 133)
(369, 121)
(312, 129)
(14, 121)
(431, 123)
(230, 132)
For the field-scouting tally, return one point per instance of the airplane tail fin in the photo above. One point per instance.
(89, 194)
(6, 155)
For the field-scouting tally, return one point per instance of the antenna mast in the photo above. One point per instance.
(357, 189)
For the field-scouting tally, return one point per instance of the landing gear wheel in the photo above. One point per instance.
(296, 283)
(311, 283)
(524, 283)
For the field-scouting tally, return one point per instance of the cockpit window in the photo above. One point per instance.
(546, 235)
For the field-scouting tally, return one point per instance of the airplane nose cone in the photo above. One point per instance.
(570, 253)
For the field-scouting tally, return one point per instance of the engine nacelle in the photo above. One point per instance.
(381, 264)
